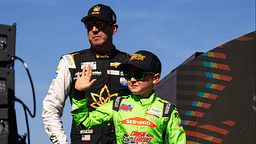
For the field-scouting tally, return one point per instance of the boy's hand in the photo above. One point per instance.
(84, 81)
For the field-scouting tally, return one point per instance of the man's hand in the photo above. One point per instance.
(84, 81)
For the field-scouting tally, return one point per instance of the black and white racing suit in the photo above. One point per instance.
(109, 84)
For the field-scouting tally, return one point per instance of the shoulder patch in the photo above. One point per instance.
(167, 109)
(117, 102)
(69, 60)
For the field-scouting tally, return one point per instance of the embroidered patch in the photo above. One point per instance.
(123, 81)
(96, 73)
(56, 73)
(113, 72)
(70, 61)
(155, 110)
(115, 64)
(137, 137)
(126, 108)
(137, 57)
(86, 137)
(152, 115)
(139, 121)
(89, 131)
(92, 64)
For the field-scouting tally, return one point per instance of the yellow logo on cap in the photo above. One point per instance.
(96, 10)
(137, 57)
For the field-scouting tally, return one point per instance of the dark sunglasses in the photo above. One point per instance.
(100, 25)
(138, 75)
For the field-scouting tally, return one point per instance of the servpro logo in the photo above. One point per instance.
(138, 121)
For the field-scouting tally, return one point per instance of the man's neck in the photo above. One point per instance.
(104, 49)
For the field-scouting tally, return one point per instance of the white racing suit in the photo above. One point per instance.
(109, 84)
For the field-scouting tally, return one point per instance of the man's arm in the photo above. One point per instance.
(174, 131)
(54, 103)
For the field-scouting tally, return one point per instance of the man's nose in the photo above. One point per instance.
(94, 29)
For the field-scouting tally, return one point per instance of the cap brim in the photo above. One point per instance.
(86, 18)
(123, 66)
(126, 65)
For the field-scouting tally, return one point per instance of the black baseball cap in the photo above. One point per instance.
(102, 12)
(143, 60)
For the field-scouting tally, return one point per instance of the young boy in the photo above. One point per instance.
(140, 117)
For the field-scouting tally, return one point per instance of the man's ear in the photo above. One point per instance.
(114, 27)
(156, 78)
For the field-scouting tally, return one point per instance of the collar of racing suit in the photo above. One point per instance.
(110, 55)
(144, 101)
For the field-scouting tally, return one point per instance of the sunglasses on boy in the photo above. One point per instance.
(138, 75)
(100, 25)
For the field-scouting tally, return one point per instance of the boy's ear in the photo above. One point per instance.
(156, 78)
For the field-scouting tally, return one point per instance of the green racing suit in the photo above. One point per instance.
(136, 119)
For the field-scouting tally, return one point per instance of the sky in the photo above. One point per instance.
(172, 29)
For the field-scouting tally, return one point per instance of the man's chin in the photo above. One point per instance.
(95, 44)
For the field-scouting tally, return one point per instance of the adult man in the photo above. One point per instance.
(104, 59)
(140, 117)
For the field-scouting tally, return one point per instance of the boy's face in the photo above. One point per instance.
(143, 88)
